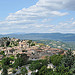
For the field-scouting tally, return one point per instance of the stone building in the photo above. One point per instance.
(24, 44)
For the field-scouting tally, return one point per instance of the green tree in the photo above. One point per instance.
(62, 70)
(33, 73)
(29, 42)
(32, 44)
(45, 71)
(35, 65)
(56, 59)
(12, 58)
(7, 43)
(68, 59)
(24, 71)
(14, 71)
(6, 61)
(38, 64)
(21, 60)
(72, 70)
(5, 71)
(2, 53)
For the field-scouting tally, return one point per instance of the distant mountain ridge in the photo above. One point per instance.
(42, 36)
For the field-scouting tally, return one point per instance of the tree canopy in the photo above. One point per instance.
(21, 60)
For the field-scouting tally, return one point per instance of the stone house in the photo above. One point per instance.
(24, 44)
(9, 51)
(34, 57)
(73, 52)
(1, 57)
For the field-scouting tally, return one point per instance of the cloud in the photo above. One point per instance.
(59, 13)
(73, 23)
(46, 20)
(69, 4)
(66, 27)
(42, 9)
(72, 19)
(37, 18)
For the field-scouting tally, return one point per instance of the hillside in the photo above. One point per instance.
(58, 44)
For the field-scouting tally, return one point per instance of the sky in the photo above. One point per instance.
(37, 16)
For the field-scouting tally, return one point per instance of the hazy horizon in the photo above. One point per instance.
(35, 33)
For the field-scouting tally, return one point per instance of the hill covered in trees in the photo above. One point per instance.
(58, 44)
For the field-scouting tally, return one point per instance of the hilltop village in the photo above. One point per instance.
(35, 51)
(27, 57)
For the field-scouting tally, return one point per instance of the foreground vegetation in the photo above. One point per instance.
(63, 65)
